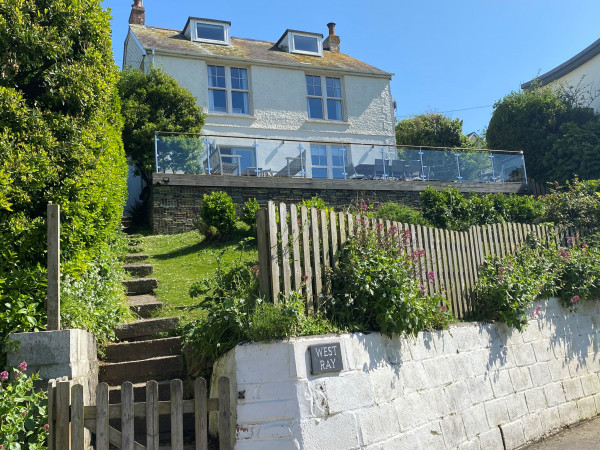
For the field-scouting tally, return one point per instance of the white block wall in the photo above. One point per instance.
(474, 386)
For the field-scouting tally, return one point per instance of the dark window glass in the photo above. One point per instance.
(209, 31)
(306, 44)
(217, 101)
(315, 108)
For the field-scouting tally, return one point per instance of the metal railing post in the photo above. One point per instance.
(156, 151)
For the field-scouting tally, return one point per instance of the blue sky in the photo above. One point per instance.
(456, 57)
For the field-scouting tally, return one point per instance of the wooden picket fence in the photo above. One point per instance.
(297, 246)
(68, 416)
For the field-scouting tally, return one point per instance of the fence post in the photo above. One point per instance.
(63, 403)
(224, 414)
(53, 289)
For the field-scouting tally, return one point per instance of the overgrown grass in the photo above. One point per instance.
(180, 260)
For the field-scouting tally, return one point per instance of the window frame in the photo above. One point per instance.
(292, 44)
(325, 98)
(330, 167)
(229, 90)
(225, 25)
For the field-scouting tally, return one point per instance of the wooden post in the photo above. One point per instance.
(200, 425)
(224, 414)
(127, 417)
(152, 430)
(102, 416)
(53, 289)
(63, 423)
(262, 241)
(51, 414)
(77, 434)
(176, 415)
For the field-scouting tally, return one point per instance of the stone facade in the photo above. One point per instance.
(480, 386)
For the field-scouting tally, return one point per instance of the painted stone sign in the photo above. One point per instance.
(325, 358)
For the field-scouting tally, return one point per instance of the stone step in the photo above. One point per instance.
(140, 286)
(144, 305)
(145, 328)
(161, 368)
(138, 270)
(135, 351)
(135, 249)
(136, 257)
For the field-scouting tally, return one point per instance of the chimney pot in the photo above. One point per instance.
(137, 3)
(331, 27)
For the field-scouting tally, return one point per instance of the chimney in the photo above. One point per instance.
(138, 13)
(332, 42)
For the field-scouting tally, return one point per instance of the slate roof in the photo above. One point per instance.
(568, 66)
(246, 49)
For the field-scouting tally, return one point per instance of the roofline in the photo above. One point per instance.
(296, 31)
(568, 66)
(259, 62)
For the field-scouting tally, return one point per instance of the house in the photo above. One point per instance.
(581, 72)
(294, 107)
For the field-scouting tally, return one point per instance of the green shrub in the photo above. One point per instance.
(316, 202)
(249, 211)
(446, 209)
(399, 213)
(579, 274)
(518, 208)
(23, 414)
(577, 203)
(507, 287)
(95, 300)
(374, 288)
(60, 141)
(218, 211)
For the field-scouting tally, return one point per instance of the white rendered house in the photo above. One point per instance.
(295, 106)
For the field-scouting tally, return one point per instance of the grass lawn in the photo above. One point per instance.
(179, 260)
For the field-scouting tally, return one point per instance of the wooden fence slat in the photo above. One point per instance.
(286, 271)
(152, 423)
(297, 271)
(127, 431)
(433, 260)
(306, 258)
(458, 235)
(51, 414)
(342, 227)
(442, 263)
(457, 271)
(176, 414)
(333, 230)
(224, 414)
(53, 267)
(102, 434)
(200, 426)
(77, 428)
(451, 275)
(351, 225)
(63, 402)
(115, 437)
(326, 252)
(273, 254)
(316, 250)
(262, 243)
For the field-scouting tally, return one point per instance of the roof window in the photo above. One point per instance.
(301, 42)
(207, 30)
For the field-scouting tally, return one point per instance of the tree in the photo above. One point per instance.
(532, 121)
(431, 130)
(155, 102)
(60, 141)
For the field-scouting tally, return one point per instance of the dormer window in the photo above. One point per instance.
(207, 30)
(301, 42)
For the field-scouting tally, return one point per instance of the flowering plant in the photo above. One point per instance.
(23, 413)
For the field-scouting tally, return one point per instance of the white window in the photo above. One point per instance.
(321, 106)
(228, 90)
(301, 42)
(210, 31)
(329, 161)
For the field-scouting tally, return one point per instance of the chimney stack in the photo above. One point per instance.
(138, 13)
(332, 42)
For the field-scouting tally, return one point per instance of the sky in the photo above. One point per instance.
(453, 57)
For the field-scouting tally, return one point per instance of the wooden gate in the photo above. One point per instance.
(68, 415)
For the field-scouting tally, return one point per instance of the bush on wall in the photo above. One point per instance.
(59, 141)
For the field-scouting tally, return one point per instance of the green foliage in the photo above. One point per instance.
(60, 141)
(398, 213)
(316, 202)
(218, 211)
(95, 300)
(533, 120)
(432, 130)
(248, 215)
(374, 288)
(23, 414)
(507, 287)
(577, 203)
(580, 273)
(155, 102)
(235, 314)
(449, 209)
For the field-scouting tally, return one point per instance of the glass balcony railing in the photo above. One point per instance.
(218, 155)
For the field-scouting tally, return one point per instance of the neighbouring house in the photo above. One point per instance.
(294, 106)
(581, 72)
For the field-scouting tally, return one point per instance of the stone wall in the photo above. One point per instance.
(176, 199)
(476, 386)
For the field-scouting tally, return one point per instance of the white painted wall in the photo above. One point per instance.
(278, 104)
(480, 386)
(587, 77)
